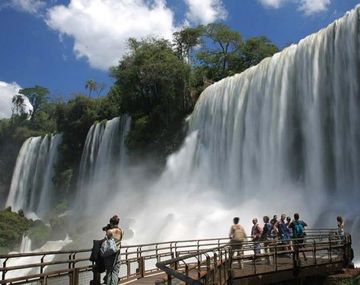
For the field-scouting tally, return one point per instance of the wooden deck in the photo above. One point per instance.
(194, 262)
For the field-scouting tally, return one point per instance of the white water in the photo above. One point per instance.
(283, 136)
(25, 244)
(31, 187)
(103, 162)
(25, 248)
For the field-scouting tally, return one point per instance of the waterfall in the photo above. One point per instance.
(103, 161)
(31, 187)
(281, 137)
(25, 244)
(294, 119)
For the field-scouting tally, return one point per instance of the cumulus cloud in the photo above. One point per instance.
(308, 7)
(101, 28)
(205, 11)
(7, 92)
(28, 6)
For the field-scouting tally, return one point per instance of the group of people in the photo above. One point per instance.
(287, 231)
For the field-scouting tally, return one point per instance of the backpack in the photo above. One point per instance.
(108, 248)
(298, 231)
(239, 234)
(96, 256)
(266, 234)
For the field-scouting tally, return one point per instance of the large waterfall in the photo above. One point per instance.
(293, 119)
(32, 189)
(281, 137)
(103, 161)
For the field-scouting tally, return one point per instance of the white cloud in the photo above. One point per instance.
(28, 6)
(101, 28)
(7, 92)
(309, 7)
(205, 11)
(273, 3)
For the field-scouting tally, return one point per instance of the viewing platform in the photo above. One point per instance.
(205, 261)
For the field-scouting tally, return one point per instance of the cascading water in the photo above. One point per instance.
(282, 136)
(103, 161)
(25, 244)
(31, 187)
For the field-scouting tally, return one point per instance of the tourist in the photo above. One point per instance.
(266, 237)
(340, 226)
(255, 235)
(237, 237)
(298, 232)
(112, 262)
(284, 232)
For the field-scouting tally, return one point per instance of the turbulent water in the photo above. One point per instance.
(282, 136)
(103, 161)
(31, 187)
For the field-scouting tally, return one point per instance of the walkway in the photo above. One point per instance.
(207, 261)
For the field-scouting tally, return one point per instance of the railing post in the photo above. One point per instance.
(186, 272)
(42, 281)
(4, 265)
(276, 257)
(315, 261)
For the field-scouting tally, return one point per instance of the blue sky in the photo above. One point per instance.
(60, 44)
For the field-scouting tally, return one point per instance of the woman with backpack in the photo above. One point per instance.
(110, 250)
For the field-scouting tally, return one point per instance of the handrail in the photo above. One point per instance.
(77, 260)
(316, 245)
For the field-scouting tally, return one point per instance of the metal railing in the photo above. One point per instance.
(191, 261)
(214, 266)
(137, 261)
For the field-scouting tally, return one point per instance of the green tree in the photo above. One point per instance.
(150, 81)
(38, 97)
(256, 49)
(217, 58)
(90, 85)
(185, 40)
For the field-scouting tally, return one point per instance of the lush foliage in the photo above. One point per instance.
(157, 83)
(14, 225)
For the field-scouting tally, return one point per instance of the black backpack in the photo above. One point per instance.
(96, 256)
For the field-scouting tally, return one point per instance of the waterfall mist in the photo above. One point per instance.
(281, 137)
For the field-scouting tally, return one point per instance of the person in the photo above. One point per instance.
(340, 226)
(284, 232)
(255, 235)
(266, 237)
(112, 263)
(298, 230)
(237, 237)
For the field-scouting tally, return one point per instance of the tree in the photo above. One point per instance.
(256, 49)
(150, 81)
(91, 85)
(185, 40)
(18, 105)
(38, 97)
(216, 59)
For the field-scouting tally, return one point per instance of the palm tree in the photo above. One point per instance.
(18, 105)
(91, 85)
